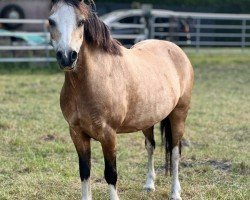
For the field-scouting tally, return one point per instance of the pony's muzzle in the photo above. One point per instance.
(66, 60)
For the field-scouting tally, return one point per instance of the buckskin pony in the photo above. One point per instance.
(110, 89)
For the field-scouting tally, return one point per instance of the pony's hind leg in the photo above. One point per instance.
(177, 120)
(82, 144)
(150, 146)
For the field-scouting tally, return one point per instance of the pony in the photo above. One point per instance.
(110, 89)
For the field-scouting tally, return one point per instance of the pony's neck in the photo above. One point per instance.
(91, 60)
(89, 57)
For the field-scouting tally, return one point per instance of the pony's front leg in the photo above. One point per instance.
(82, 144)
(109, 151)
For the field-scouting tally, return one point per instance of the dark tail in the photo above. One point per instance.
(166, 138)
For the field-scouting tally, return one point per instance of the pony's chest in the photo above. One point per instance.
(78, 113)
(69, 109)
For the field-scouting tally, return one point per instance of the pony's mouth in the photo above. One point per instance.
(68, 68)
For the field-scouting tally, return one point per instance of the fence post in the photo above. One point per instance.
(152, 28)
(146, 12)
(243, 34)
(198, 31)
(45, 29)
(172, 28)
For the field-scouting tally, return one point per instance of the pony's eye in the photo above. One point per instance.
(52, 23)
(80, 23)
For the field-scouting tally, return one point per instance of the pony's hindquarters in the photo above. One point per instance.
(172, 127)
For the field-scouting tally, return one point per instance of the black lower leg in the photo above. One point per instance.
(84, 167)
(149, 134)
(110, 172)
(180, 147)
(83, 148)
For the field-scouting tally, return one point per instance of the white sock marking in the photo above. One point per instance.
(86, 190)
(151, 171)
(113, 193)
(176, 188)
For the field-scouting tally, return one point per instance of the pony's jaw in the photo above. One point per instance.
(66, 36)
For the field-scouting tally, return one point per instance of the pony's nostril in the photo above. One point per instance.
(74, 56)
(59, 55)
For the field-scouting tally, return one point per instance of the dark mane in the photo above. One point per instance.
(96, 32)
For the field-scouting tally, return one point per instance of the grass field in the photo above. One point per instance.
(38, 159)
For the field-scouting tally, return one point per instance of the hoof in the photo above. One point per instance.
(148, 188)
(175, 198)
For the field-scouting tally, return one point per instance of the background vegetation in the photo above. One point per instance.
(241, 6)
(38, 159)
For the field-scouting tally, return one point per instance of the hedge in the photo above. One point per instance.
(236, 6)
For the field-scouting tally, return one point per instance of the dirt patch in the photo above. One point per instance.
(241, 168)
(221, 165)
(242, 136)
(57, 137)
(216, 164)
(200, 145)
(4, 126)
(24, 170)
(48, 137)
(3, 171)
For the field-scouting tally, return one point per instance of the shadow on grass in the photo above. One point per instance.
(29, 68)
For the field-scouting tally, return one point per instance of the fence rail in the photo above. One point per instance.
(185, 29)
(31, 41)
(203, 29)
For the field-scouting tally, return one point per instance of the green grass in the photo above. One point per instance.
(38, 159)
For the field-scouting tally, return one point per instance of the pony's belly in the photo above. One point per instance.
(138, 125)
(144, 120)
(130, 128)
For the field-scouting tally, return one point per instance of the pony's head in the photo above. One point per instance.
(73, 23)
(66, 23)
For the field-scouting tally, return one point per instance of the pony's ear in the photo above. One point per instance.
(92, 5)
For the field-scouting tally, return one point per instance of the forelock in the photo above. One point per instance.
(74, 3)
